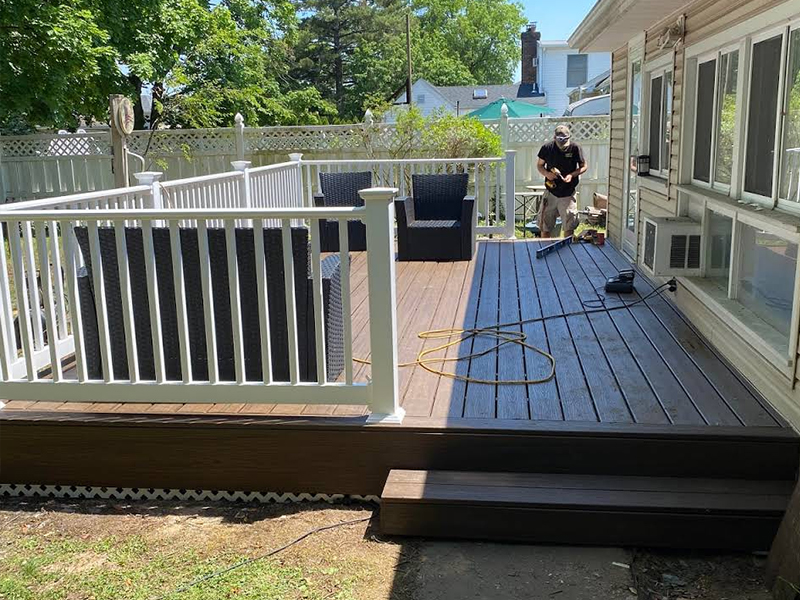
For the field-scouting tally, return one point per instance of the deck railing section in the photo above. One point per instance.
(41, 300)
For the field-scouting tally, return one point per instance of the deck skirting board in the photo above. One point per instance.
(26, 490)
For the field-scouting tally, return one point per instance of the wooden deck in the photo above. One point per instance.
(642, 364)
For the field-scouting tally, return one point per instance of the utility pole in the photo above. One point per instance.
(408, 58)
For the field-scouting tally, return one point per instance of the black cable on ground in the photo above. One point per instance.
(269, 554)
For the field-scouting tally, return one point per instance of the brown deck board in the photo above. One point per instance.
(543, 397)
(512, 400)
(643, 364)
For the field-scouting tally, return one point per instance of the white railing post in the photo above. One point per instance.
(379, 220)
(298, 158)
(152, 179)
(510, 231)
(504, 126)
(238, 133)
(245, 194)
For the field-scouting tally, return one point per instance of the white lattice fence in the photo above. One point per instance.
(182, 153)
(41, 166)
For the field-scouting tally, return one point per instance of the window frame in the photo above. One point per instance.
(783, 98)
(763, 35)
(651, 71)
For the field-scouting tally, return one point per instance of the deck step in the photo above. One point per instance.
(585, 509)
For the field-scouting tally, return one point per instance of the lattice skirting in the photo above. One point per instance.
(26, 490)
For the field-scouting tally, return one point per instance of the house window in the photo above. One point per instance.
(704, 120)
(420, 98)
(660, 121)
(751, 273)
(715, 120)
(725, 117)
(762, 116)
(765, 283)
(790, 146)
(577, 69)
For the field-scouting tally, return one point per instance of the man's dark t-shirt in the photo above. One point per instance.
(566, 161)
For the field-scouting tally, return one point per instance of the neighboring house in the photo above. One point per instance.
(549, 72)
(710, 93)
(563, 69)
(463, 99)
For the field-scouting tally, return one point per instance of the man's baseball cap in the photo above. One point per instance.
(562, 131)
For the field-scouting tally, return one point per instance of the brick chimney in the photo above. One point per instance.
(530, 54)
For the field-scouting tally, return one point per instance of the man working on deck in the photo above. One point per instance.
(561, 162)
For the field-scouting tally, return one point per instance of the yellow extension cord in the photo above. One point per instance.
(505, 336)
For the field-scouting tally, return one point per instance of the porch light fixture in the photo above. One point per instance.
(147, 107)
(643, 164)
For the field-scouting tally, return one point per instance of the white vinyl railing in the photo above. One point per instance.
(41, 297)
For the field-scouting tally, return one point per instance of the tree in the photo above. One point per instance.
(57, 64)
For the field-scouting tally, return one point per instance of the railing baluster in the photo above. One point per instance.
(123, 265)
(32, 285)
(236, 307)
(319, 319)
(263, 302)
(291, 306)
(100, 301)
(208, 301)
(347, 323)
(71, 257)
(152, 294)
(7, 317)
(23, 299)
(58, 279)
(49, 307)
(180, 300)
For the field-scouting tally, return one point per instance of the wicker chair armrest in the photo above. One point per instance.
(331, 267)
(468, 210)
(319, 200)
(404, 209)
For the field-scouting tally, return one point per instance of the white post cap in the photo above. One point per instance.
(295, 156)
(148, 177)
(241, 165)
(378, 193)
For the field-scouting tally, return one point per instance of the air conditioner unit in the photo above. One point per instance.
(671, 246)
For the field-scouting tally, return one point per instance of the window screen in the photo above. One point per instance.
(704, 120)
(577, 69)
(760, 151)
(656, 86)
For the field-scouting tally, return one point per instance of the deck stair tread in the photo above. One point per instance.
(576, 508)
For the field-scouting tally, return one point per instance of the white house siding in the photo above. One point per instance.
(553, 72)
(425, 97)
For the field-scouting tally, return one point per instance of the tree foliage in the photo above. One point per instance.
(275, 61)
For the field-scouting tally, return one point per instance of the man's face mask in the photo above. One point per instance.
(562, 141)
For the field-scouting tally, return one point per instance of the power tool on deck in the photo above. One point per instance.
(621, 283)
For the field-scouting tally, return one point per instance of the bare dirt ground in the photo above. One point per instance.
(111, 550)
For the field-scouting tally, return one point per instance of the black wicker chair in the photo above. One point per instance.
(438, 222)
(341, 189)
(245, 254)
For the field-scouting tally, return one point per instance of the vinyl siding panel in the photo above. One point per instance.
(617, 144)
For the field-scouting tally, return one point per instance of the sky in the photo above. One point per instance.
(555, 20)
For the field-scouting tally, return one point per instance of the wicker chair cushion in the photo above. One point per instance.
(341, 189)
(434, 225)
(439, 197)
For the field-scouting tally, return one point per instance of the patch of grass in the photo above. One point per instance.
(35, 568)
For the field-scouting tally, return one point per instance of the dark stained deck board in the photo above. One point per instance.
(703, 395)
(639, 396)
(644, 364)
(543, 397)
(576, 399)
(603, 385)
(512, 400)
(736, 394)
(479, 401)
(449, 398)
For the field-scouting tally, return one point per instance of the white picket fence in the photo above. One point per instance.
(41, 299)
(42, 166)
